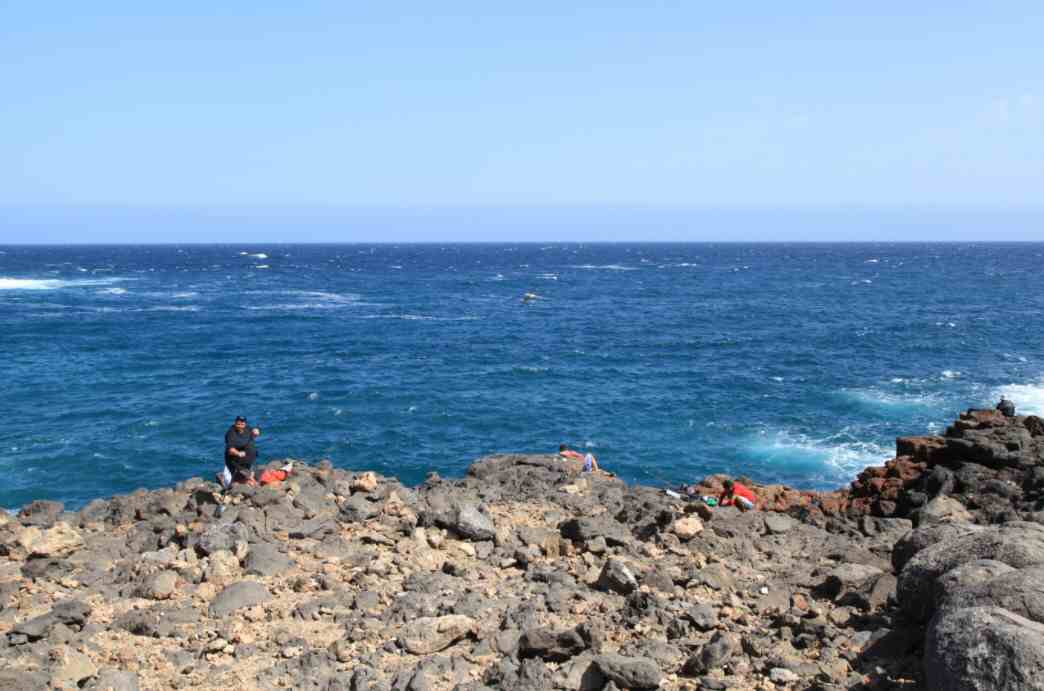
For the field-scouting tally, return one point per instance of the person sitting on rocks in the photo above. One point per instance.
(565, 452)
(590, 463)
(738, 495)
(1006, 407)
(240, 454)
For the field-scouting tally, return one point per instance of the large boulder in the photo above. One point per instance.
(1016, 544)
(59, 541)
(984, 649)
(1020, 591)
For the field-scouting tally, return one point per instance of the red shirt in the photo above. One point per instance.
(739, 490)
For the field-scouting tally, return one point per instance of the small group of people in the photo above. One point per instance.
(241, 454)
(1006, 407)
(590, 462)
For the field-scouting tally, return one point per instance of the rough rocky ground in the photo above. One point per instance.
(528, 574)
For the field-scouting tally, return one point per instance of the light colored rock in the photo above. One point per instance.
(429, 635)
(222, 566)
(69, 667)
(946, 509)
(687, 528)
(160, 586)
(366, 482)
(782, 675)
(59, 541)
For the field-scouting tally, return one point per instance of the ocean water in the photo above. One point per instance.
(798, 363)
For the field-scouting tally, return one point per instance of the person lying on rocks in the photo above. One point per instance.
(738, 495)
(565, 452)
(1006, 407)
(240, 454)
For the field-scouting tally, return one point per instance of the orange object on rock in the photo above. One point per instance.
(270, 477)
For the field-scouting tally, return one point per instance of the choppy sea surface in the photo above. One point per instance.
(800, 363)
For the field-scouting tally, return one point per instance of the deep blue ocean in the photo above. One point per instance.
(801, 363)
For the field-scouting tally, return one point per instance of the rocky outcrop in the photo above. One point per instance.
(529, 574)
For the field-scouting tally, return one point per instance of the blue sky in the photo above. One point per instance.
(420, 105)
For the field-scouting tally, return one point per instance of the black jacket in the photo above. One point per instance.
(240, 441)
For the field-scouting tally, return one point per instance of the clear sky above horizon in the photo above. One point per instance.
(406, 105)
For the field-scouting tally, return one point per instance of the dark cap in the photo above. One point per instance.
(240, 418)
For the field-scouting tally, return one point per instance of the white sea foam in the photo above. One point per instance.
(262, 266)
(314, 396)
(604, 267)
(184, 296)
(113, 291)
(259, 255)
(837, 452)
(877, 397)
(950, 374)
(548, 276)
(7, 283)
(1028, 398)
(871, 261)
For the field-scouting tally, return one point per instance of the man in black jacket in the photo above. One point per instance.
(240, 453)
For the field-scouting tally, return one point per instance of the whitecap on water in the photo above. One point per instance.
(950, 374)
(877, 397)
(841, 453)
(314, 396)
(604, 267)
(1028, 398)
(262, 266)
(7, 283)
(113, 291)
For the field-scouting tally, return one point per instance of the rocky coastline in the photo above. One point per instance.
(926, 573)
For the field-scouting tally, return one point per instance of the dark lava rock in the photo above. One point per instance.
(265, 559)
(984, 649)
(617, 577)
(630, 672)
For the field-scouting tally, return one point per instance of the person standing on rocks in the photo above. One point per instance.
(738, 495)
(1006, 407)
(240, 453)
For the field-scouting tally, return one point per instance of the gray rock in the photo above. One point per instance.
(1019, 591)
(777, 523)
(630, 672)
(114, 680)
(358, 508)
(917, 540)
(967, 575)
(472, 524)
(845, 577)
(41, 513)
(222, 537)
(238, 596)
(703, 617)
(265, 559)
(711, 656)
(551, 645)
(587, 529)
(1016, 544)
(617, 577)
(984, 649)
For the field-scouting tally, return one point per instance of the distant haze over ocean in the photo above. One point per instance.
(92, 224)
(793, 362)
